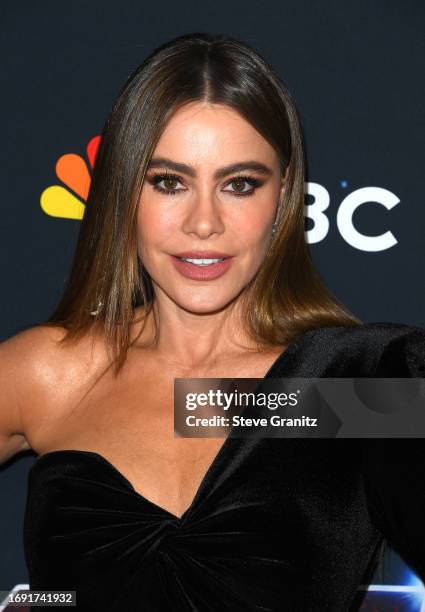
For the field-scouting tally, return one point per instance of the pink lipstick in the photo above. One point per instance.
(202, 265)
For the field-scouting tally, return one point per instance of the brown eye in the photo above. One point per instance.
(238, 184)
(170, 183)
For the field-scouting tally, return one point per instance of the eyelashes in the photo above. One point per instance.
(157, 178)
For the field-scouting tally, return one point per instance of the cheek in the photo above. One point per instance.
(253, 235)
(252, 228)
(155, 224)
(255, 217)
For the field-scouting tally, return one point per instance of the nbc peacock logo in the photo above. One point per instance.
(68, 200)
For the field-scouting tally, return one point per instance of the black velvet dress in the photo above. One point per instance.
(276, 524)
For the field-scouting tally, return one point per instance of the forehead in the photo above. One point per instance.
(201, 131)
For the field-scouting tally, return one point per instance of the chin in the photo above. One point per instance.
(203, 306)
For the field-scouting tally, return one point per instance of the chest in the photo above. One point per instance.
(129, 421)
(279, 516)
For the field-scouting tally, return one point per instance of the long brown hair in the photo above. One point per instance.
(287, 295)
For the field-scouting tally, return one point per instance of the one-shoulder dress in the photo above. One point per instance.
(277, 524)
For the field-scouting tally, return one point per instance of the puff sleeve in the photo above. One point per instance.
(394, 469)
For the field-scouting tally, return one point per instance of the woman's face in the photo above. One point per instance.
(193, 203)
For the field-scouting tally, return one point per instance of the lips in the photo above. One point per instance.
(203, 255)
(207, 272)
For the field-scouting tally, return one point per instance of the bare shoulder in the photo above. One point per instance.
(38, 372)
(18, 381)
(29, 348)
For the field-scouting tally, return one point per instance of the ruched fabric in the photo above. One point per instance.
(276, 524)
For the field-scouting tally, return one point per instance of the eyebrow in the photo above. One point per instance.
(165, 162)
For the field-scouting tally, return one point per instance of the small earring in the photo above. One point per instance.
(274, 228)
(94, 313)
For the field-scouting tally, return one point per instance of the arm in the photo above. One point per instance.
(26, 375)
(394, 469)
(12, 436)
(394, 481)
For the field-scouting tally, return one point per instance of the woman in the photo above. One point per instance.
(192, 262)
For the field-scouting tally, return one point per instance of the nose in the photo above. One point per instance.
(205, 215)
